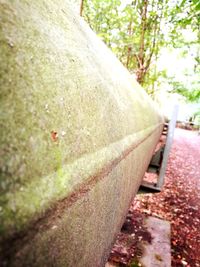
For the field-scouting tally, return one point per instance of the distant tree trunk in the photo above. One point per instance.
(129, 46)
(141, 56)
(81, 8)
(150, 26)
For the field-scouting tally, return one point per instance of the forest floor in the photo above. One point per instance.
(178, 203)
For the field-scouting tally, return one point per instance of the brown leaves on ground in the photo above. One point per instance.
(127, 248)
(179, 203)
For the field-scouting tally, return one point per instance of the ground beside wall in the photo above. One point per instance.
(178, 203)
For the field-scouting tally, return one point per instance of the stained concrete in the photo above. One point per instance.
(158, 253)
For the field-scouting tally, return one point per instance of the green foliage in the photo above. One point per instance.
(196, 117)
(191, 14)
(131, 30)
(137, 30)
(192, 94)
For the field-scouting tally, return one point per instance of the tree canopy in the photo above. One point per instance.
(137, 31)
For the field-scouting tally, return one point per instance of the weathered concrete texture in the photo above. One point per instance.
(81, 235)
(158, 253)
(77, 133)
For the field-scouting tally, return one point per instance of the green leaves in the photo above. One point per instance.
(131, 30)
(137, 30)
(191, 94)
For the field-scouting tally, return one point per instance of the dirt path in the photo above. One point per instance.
(179, 203)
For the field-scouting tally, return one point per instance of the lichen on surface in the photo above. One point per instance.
(65, 117)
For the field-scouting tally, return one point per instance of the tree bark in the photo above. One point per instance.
(81, 8)
(141, 56)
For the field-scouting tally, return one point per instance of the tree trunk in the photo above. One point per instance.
(81, 8)
(141, 56)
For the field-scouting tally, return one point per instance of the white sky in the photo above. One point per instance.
(176, 66)
(172, 60)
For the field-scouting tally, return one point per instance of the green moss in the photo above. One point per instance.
(49, 82)
(36, 196)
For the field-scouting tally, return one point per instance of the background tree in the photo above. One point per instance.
(186, 18)
(138, 30)
(132, 31)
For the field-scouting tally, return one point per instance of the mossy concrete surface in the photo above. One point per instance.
(75, 126)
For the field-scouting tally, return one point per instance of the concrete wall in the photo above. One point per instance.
(77, 133)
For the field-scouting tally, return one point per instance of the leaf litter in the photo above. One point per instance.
(178, 203)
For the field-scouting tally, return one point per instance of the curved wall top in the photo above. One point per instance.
(69, 110)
